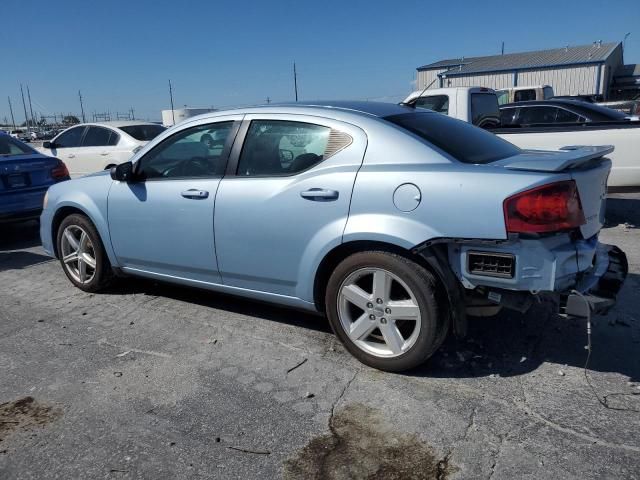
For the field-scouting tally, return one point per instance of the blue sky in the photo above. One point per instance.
(121, 53)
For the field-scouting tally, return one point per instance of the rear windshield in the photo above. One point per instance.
(11, 146)
(143, 132)
(464, 142)
(485, 112)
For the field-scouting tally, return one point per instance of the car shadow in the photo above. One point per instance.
(19, 235)
(512, 344)
(220, 301)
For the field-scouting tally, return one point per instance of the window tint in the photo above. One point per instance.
(11, 146)
(99, 137)
(437, 103)
(537, 115)
(185, 155)
(484, 110)
(565, 116)
(524, 95)
(503, 97)
(70, 138)
(446, 133)
(276, 147)
(143, 133)
(508, 116)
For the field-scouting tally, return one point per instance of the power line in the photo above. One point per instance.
(24, 105)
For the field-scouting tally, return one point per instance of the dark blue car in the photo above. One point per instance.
(25, 176)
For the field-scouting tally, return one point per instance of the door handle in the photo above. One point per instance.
(194, 193)
(104, 154)
(71, 155)
(319, 194)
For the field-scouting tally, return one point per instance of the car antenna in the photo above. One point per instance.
(412, 103)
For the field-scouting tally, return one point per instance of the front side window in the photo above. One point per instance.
(99, 137)
(184, 155)
(278, 148)
(508, 116)
(524, 95)
(70, 138)
(11, 146)
(479, 146)
(437, 103)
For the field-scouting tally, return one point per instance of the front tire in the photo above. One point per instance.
(384, 309)
(82, 254)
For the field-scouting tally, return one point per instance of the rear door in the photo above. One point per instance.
(285, 198)
(98, 146)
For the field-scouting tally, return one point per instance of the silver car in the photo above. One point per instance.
(394, 222)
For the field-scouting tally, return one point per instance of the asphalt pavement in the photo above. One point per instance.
(156, 381)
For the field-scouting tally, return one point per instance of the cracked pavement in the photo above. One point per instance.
(157, 381)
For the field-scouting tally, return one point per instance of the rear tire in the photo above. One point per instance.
(384, 308)
(82, 254)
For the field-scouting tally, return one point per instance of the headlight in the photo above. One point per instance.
(46, 199)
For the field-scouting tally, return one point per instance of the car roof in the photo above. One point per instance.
(117, 123)
(551, 101)
(339, 109)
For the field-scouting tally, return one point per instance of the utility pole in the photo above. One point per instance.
(24, 105)
(31, 108)
(502, 48)
(81, 107)
(295, 80)
(13, 120)
(268, 100)
(624, 40)
(173, 113)
(133, 117)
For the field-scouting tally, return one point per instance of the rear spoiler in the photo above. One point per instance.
(566, 158)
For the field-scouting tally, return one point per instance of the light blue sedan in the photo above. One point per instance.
(394, 222)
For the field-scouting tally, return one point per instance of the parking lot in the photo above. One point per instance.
(157, 381)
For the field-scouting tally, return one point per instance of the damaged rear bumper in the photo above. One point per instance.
(597, 292)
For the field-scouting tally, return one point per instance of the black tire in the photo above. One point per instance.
(102, 273)
(424, 287)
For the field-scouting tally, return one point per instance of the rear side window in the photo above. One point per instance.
(464, 142)
(278, 148)
(437, 103)
(99, 137)
(524, 95)
(10, 146)
(485, 112)
(540, 114)
(144, 133)
(565, 116)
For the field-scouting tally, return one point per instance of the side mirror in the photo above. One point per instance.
(122, 172)
(48, 145)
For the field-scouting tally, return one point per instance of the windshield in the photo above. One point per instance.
(11, 146)
(464, 142)
(143, 132)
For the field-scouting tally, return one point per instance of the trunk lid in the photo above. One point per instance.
(588, 168)
(25, 172)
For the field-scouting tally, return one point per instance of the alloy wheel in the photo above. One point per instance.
(379, 312)
(78, 254)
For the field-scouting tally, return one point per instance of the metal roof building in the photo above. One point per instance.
(577, 70)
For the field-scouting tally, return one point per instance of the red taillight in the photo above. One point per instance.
(549, 208)
(60, 171)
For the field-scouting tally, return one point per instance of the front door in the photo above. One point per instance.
(287, 199)
(67, 147)
(162, 223)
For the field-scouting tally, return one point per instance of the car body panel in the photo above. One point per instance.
(293, 228)
(257, 237)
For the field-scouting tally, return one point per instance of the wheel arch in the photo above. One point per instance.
(64, 211)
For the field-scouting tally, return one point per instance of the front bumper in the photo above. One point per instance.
(596, 294)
